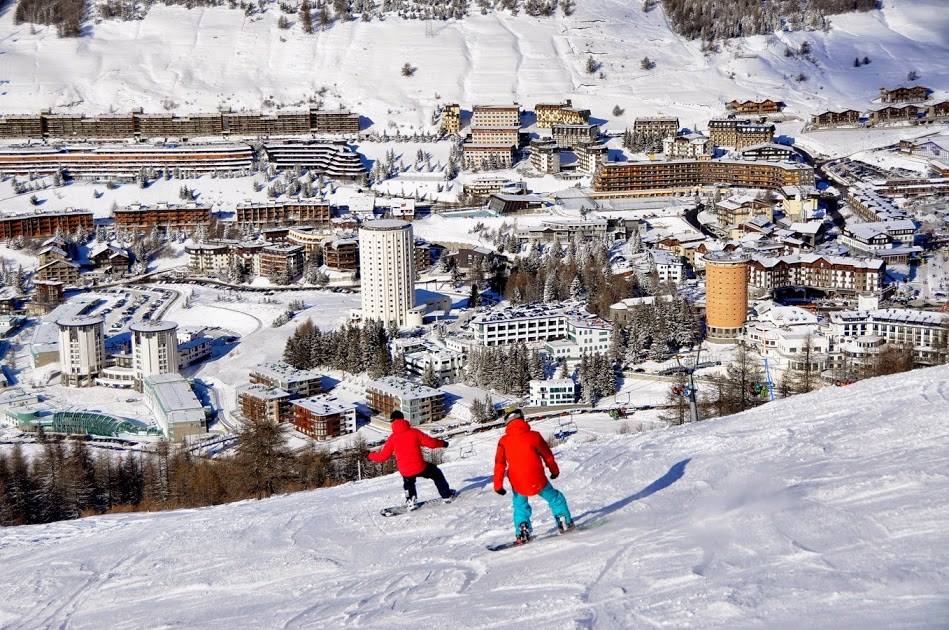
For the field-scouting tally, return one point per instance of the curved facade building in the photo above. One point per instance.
(387, 266)
(726, 296)
(154, 349)
(81, 350)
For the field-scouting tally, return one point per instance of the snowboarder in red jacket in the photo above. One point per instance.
(522, 454)
(406, 443)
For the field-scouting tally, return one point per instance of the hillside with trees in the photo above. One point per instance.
(723, 19)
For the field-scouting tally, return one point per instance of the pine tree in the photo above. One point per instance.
(20, 499)
(398, 365)
(429, 377)
(477, 411)
(263, 457)
(475, 298)
(306, 19)
(80, 480)
(50, 491)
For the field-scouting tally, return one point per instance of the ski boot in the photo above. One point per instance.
(564, 525)
(524, 536)
(451, 497)
(411, 503)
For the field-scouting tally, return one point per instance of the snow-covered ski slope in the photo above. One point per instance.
(205, 58)
(825, 510)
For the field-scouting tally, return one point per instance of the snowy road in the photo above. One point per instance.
(816, 511)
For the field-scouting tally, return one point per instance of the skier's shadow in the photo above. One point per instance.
(477, 483)
(672, 475)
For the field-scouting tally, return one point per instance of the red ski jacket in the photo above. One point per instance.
(523, 453)
(407, 444)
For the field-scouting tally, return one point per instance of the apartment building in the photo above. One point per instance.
(657, 127)
(418, 403)
(738, 133)
(101, 127)
(21, 126)
(124, 161)
(496, 135)
(208, 257)
(545, 156)
(831, 118)
(279, 213)
(580, 333)
(550, 392)
(487, 156)
(451, 119)
(688, 145)
(660, 178)
(173, 126)
(308, 237)
(334, 122)
(740, 208)
(564, 230)
(832, 274)
(926, 332)
(496, 115)
(258, 124)
(164, 216)
(323, 417)
(667, 265)
(567, 136)
(44, 224)
(482, 186)
(905, 94)
(261, 403)
(766, 106)
(549, 114)
(58, 271)
(299, 383)
(896, 114)
(341, 254)
(590, 155)
(284, 261)
(334, 160)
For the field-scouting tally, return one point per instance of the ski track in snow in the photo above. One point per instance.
(815, 511)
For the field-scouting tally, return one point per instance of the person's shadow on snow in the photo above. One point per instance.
(672, 475)
(477, 483)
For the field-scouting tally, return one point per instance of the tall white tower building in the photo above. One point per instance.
(154, 349)
(387, 269)
(81, 350)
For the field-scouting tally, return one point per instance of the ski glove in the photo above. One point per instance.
(444, 443)
(501, 491)
(555, 475)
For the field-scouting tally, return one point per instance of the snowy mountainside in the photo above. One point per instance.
(204, 58)
(823, 509)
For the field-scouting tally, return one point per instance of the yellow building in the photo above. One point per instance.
(451, 118)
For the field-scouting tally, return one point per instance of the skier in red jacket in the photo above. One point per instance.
(406, 443)
(522, 454)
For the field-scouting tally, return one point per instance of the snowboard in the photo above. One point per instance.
(578, 528)
(397, 510)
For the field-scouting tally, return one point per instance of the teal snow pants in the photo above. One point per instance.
(553, 497)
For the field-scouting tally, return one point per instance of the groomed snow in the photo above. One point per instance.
(203, 59)
(822, 510)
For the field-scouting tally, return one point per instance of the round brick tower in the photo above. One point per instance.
(726, 296)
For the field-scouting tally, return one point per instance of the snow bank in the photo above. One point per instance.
(822, 509)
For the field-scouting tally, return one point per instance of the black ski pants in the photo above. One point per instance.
(432, 472)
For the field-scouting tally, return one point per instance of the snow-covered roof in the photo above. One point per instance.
(323, 405)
